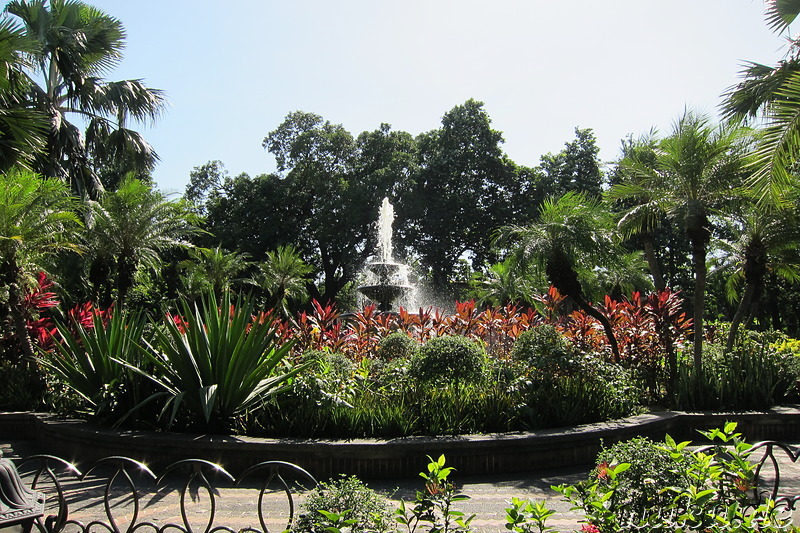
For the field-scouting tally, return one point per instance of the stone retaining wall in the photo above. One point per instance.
(373, 458)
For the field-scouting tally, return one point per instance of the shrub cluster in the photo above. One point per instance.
(638, 485)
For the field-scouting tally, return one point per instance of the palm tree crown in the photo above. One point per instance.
(75, 45)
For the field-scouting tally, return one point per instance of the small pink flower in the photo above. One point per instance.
(590, 528)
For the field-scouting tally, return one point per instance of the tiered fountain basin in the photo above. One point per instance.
(391, 284)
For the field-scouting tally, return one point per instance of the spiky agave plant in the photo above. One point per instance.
(217, 361)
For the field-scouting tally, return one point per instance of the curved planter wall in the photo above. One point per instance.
(373, 458)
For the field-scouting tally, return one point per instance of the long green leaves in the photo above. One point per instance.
(88, 360)
(779, 147)
(217, 361)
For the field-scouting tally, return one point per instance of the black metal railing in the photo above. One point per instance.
(120, 494)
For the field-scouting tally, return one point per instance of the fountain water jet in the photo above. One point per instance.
(387, 280)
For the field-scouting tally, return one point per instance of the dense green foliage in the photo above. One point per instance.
(71, 46)
(397, 345)
(363, 508)
(637, 486)
(448, 359)
(703, 490)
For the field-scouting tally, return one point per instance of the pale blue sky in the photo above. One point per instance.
(233, 70)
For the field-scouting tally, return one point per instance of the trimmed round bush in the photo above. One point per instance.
(449, 358)
(332, 365)
(543, 347)
(397, 345)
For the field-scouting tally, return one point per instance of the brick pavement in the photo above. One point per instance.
(236, 507)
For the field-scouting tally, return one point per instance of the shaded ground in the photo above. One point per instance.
(237, 507)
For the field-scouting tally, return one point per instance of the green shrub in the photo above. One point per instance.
(543, 347)
(703, 490)
(449, 358)
(397, 345)
(600, 391)
(751, 376)
(348, 497)
(641, 486)
(330, 365)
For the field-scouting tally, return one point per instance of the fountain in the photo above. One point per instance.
(387, 280)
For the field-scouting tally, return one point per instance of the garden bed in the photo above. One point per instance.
(374, 458)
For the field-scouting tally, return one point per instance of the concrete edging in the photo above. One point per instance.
(374, 458)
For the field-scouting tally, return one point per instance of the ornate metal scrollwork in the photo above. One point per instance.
(119, 494)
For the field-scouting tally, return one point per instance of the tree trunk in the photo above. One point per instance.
(744, 304)
(652, 263)
(699, 265)
(563, 277)
(591, 311)
(11, 274)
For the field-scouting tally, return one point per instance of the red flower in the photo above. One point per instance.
(602, 471)
(180, 322)
(590, 528)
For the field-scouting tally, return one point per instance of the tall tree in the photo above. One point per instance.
(77, 44)
(576, 167)
(331, 189)
(773, 94)
(769, 242)
(317, 158)
(22, 128)
(641, 211)
(571, 230)
(37, 218)
(251, 215)
(698, 170)
(203, 181)
(465, 189)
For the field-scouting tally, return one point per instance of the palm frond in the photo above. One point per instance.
(778, 151)
(781, 13)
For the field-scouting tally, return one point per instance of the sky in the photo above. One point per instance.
(233, 70)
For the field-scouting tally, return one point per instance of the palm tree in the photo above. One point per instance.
(215, 269)
(570, 230)
(129, 228)
(77, 44)
(641, 213)
(37, 219)
(22, 129)
(284, 277)
(697, 171)
(769, 242)
(503, 284)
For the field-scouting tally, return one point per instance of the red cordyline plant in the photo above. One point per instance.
(38, 303)
(648, 328)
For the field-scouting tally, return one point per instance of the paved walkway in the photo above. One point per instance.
(237, 507)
